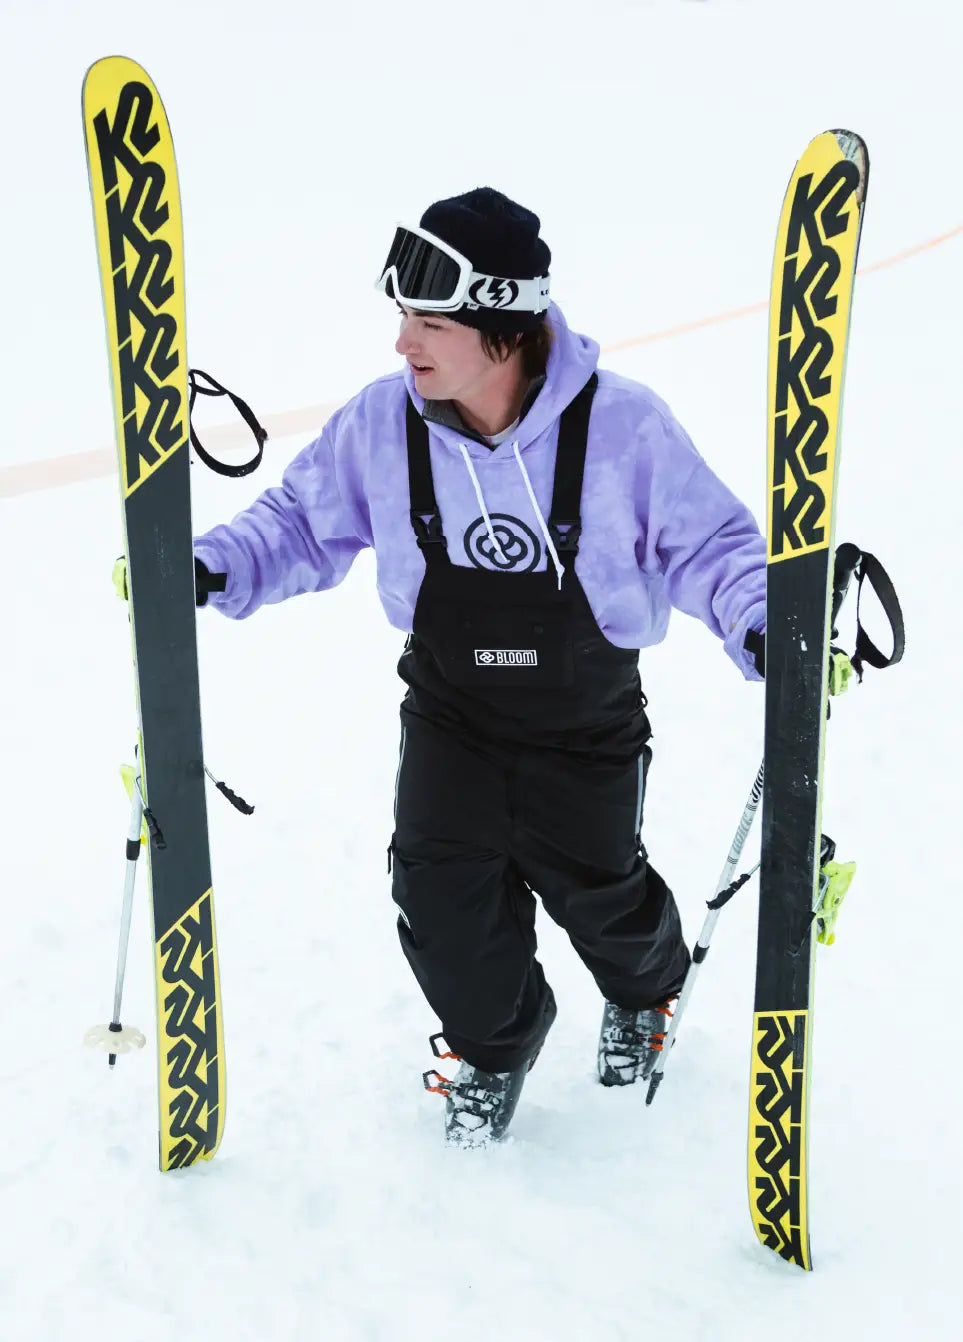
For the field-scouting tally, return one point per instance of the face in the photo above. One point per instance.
(447, 359)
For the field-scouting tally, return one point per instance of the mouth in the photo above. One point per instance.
(418, 369)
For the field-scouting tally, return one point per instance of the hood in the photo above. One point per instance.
(572, 361)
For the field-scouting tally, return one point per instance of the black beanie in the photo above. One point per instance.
(499, 237)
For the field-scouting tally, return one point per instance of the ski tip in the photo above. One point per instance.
(112, 59)
(104, 79)
(853, 148)
(848, 139)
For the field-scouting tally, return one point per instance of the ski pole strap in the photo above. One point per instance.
(852, 562)
(845, 565)
(214, 388)
(869, 569)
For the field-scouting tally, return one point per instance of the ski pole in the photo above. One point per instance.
(725, 889)
(117, 1038)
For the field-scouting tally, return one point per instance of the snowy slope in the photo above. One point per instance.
(656, 140)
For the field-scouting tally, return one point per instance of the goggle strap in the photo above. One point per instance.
(494, 293)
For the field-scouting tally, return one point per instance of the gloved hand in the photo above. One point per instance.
(205, 581)
(840, 667)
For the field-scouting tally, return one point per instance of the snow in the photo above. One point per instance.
(655, 139)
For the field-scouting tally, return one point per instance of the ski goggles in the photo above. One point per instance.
(423, 272)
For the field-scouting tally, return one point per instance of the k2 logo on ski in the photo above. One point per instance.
(779, 1050)
(808, 370)
(144, 288)
(190, 1082)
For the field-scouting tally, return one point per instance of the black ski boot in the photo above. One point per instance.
(630, 1042)
(478, 1105)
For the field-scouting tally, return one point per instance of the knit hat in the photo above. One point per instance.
(498, 237)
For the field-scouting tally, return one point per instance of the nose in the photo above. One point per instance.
(405, 344)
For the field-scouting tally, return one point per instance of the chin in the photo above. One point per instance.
(430, 385)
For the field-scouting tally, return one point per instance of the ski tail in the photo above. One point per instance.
(137, 221)
(809, 316)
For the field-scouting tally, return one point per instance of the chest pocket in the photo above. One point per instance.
(516, 645)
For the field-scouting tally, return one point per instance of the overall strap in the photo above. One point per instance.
(424, 514)
(565, 520)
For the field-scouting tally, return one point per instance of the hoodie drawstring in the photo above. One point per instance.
(538, 513)
(496, 544)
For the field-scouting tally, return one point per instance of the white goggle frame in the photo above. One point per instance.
(473, 290)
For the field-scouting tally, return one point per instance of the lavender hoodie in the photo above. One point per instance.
(659, 529)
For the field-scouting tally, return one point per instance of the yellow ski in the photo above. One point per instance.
(137, 220)
(808, 327)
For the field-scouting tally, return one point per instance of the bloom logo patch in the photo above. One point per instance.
(506, 657)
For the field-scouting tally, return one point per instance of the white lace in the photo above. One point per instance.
(481, 503)
(542, 525)
(538, 513)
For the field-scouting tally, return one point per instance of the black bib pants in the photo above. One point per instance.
(522, 772)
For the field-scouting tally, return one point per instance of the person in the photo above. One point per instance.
(534, 520)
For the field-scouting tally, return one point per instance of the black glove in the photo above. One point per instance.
(755, 643)
(205, 581)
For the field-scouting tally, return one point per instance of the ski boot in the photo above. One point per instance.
(478, 1105)
(630, 1042)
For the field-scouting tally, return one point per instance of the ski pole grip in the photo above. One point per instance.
(154, 830)
(847, 560)
(243, 806)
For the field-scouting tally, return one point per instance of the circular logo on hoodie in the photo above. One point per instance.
(515, 546)
(492, 293)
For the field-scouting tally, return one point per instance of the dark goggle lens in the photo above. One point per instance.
(424, 271)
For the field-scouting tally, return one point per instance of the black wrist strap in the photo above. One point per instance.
(214, 388)
(870, 570)
(852, 562)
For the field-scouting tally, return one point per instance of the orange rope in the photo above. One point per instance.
(687, 326)
(911, 251)
(733, 313)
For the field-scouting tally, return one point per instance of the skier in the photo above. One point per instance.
(534, 520)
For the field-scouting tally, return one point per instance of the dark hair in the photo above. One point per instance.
(534, 347)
